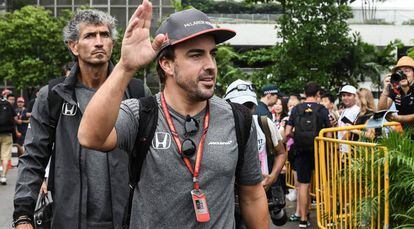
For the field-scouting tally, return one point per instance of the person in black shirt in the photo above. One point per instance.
(268, 99)
(401, 94)
(304, 159)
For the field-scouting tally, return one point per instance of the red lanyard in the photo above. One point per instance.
(177, 141)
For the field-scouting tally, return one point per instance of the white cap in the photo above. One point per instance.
(349, 89)
(240, 96)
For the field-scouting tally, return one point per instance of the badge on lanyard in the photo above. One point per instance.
(200, 206)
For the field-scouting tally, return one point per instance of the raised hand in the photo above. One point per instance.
(137, 49)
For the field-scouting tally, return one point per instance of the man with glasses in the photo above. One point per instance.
(268, 99)
(188, 175)
(399, 88)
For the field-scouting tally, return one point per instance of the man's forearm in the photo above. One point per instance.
(253, 205)
(102, 111)
(279, 161)
(383, 101)
(405, 119)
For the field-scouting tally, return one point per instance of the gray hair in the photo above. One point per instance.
(90, 16)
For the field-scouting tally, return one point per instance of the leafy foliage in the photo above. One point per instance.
(31, 46)
(401, 160)
(317, 47)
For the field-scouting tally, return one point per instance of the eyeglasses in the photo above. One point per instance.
(188, 147)
(242, 87)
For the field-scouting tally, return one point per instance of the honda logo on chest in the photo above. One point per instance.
(69, 109)
(161, 140)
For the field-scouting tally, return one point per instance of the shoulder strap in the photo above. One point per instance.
(265, 128)
(136, 88)
(148, 118)
(55, 105)
(243, 122)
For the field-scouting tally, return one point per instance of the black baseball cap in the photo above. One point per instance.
(269, 89)
(187, 24)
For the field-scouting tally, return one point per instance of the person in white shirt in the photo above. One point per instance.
(349, 113)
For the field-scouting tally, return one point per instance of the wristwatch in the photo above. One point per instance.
(24, 219)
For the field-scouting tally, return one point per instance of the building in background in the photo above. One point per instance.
(120, 9)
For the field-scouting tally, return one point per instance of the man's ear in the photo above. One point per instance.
(73, 47)
(167, 66)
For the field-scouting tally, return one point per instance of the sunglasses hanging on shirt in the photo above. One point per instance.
(190, 127)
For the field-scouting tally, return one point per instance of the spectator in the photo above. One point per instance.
(365, 100)
(400, 91)
(273, 157)
(22, 122)
(329, 102)
(8, 118)
(89, 189)
(349, 113)
(5, 93)
(308, 118)
(280, 115)
(187, 68)
(268, 99)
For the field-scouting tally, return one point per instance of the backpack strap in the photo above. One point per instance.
(148, 118)
(243, 123)
(263, 122)
(135, 89)
(55, 106)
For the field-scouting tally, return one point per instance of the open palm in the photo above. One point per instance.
(137, 49)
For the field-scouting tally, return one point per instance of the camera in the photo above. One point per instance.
(397, 76)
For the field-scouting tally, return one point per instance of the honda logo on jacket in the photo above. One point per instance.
(161, 140)
(69, 109)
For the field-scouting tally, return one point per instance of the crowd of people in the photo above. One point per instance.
(196, 151)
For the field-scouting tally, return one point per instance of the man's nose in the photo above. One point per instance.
(210, 63)
(98, 41)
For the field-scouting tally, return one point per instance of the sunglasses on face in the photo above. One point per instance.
(242, 87)
(188, 146)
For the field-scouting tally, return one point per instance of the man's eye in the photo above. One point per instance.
(106, 35)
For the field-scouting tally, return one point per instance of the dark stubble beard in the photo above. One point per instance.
(192, 87)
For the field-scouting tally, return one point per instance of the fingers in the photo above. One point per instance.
(158, 41)
(131, 27)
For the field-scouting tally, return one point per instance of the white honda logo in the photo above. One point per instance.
(69, 109)
(161, 140)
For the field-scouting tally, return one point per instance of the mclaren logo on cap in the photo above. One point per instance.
(193, 23)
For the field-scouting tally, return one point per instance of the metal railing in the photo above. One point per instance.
(351, 186)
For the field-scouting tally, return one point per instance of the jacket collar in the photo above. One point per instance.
(66, 89)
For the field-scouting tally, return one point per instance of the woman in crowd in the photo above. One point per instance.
(365, 100)
(280, 114)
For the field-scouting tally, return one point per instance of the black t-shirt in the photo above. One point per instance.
(323, 113)
(7, 114)
(403, 102)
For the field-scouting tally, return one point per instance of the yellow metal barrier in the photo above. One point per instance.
(351, 186)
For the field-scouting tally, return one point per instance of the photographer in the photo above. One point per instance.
(399, 88)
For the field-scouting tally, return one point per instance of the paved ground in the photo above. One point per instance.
(7, 192)
(6, 197)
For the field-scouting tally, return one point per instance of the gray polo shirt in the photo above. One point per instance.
(162, 198)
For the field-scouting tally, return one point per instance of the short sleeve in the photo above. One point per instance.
(127, 124)
(250, 172)
(276, 137)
